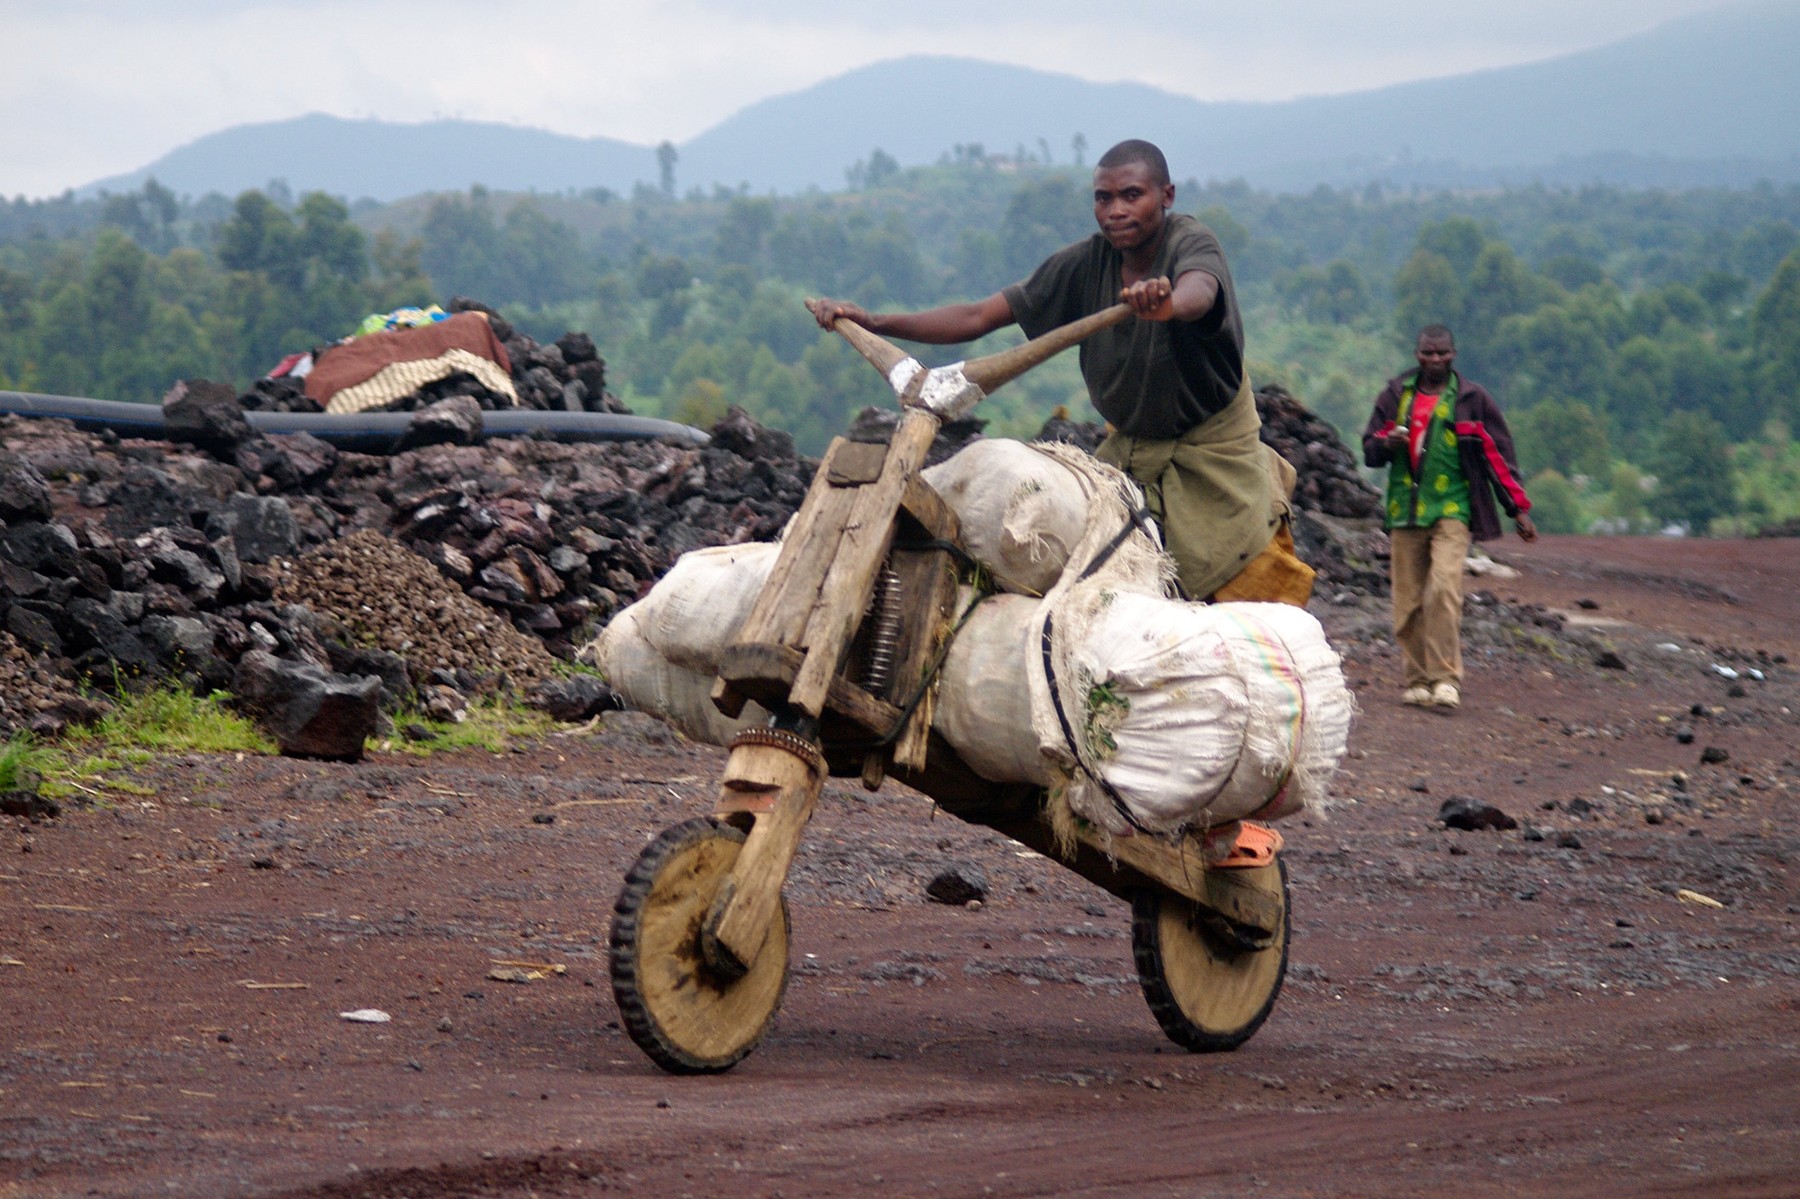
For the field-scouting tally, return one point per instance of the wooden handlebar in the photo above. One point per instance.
(882, 354)
(991, 370)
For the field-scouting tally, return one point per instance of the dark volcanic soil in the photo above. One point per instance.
(1555, 1010)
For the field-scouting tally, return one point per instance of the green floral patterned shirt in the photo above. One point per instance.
(1440, 489)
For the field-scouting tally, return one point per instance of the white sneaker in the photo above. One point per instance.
(1445, 695)
(1417, 697)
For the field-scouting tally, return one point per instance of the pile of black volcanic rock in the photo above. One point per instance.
(566, 375)
(1330, 481)
(1337, 511)
(124, 559)
(457, 566)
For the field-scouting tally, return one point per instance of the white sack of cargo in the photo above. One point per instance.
(1178, 715)
(1166, 715)
(649, 682)
(1023, 508)
(984, 700)
(695, 610)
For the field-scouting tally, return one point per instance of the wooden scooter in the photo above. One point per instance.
(841, 646)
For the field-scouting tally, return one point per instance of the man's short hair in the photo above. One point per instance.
(1136, 150)
(1436, 331)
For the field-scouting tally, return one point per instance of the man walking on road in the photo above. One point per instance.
(1449, 456)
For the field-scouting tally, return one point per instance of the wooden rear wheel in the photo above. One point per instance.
(688, 1017)
(1208, 989)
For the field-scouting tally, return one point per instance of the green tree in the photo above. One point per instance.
(327, 240)
(1555, 503)
(1572, 272)
(1427, 291)
(1566, 437)
(1233, 234)
(118, 296)
(1694, 474)
(260, 237)
(543, 258)
(1331, 295)
(1776, 341)
(1496, 287)
(1624, 507)
(1458, 240)
(399, 278)
(1045, 214)
(1639, 385)
(746, 225)
(461, 246)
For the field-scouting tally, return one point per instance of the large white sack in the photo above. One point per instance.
(695, 610)
(983, 702)
(648, 682)
(1198, 714)
(1192, 714)
(1022, 509)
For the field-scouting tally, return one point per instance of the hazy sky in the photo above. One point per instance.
(91, 88)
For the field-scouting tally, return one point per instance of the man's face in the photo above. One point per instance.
(1435, 354)
(1129, 204)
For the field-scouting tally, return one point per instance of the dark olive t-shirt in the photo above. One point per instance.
(1154, 379)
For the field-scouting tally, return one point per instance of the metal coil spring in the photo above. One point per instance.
(884, 633)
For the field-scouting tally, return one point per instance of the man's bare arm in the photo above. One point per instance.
(946, 325)
(1189, 298)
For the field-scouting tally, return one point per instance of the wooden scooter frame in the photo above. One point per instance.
(869, 522)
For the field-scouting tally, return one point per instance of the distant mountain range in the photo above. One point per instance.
(1706, 100)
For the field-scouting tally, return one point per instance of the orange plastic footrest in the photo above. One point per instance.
(1255, 845)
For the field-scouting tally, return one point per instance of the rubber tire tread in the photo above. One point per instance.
(1147, 953)
(634, 1013)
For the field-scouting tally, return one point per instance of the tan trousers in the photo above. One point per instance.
(1427, 573)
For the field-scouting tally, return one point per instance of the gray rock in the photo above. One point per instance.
(576, 348)
(391, 669)
(178, 637)
(261, 527)
(957, 884)
(47, 549)
(285, 461)
(24, 493)
(581, 697)
(200, 412)
(109, 644)
(311, 712)
(452, 421)
(1472, 815)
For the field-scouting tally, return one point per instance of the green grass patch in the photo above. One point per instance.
(94, 763)
(22, 763)
(494, 725)
(89, 762)
(173, 721)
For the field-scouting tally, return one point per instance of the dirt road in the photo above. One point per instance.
(1603, 1001)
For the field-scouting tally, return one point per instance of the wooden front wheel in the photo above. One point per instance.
(688, 1017)
(1207, 989)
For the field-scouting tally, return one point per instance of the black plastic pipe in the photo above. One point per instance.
(362, 432)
